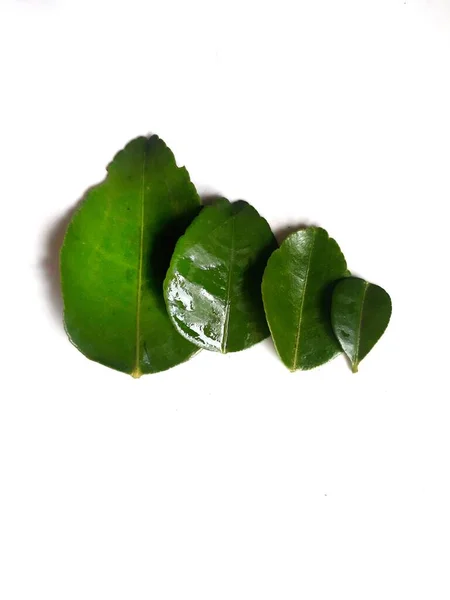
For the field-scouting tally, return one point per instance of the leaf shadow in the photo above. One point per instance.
(165, 242)
(283, 232)
(210, 199)
(252, 280)
(253, 275)
(325, 311)
(325, 307)
(49, 263)
(162, 250)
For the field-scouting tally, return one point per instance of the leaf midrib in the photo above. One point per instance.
(137, 369)
(228, 302)
(358, 338)
(300, 318)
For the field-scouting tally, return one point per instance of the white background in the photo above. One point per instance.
(229, 477)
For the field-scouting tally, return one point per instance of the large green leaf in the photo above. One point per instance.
(213, 285)
(360, 313)
(115, 255)
(297, 286)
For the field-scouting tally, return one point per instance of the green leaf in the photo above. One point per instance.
(213, 285)
(115, 255)
(296, 288)
(360, 313)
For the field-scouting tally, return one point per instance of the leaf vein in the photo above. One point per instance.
(228, 301)
(137, 371)
(300, 317)
(358, 338)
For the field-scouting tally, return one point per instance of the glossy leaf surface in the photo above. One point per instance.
(360, 313)
(213, 285)
(114, 257)
(297, 287)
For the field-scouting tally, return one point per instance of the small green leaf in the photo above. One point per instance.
(213, 285)
(360, 313)
(296, 288)
(115, 255)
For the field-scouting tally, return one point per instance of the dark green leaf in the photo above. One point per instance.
(115, 255)
(213, 285)
(297, 286)
(360, 313)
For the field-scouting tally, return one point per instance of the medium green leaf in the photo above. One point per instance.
(115, 255)
(213, 285)
(296, 290)
(360, 313)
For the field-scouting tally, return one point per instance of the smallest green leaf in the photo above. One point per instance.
(360, 313)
